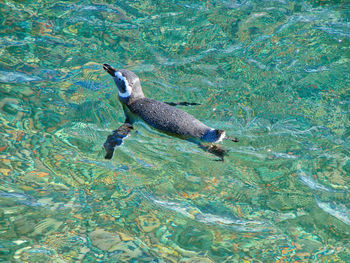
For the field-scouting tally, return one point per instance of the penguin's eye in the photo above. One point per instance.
(119, 79)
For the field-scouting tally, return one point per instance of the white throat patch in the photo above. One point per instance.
(128, 89)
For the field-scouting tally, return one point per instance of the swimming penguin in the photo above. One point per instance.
(159, 115)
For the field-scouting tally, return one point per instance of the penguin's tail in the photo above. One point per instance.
(217, 136)
(222, 135)
(232, 139)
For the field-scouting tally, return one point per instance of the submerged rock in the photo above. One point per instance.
(24, 226)
(104, 240)
(123, 245)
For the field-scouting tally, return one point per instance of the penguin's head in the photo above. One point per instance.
(128, 83)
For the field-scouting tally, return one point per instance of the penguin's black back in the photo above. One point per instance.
(168, 118)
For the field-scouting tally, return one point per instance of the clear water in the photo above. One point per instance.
(275, 74)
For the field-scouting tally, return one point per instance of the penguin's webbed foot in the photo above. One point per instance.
(116, 139)
(112, 141)
(215, 149)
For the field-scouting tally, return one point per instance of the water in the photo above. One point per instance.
(275, 74)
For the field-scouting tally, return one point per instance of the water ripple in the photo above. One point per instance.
(339, 211)
(195, 213)
(16, 77)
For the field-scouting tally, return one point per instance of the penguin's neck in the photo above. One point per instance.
(132, 93)
(131, 99)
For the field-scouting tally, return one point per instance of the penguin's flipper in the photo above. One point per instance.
(116, 138)
(182, 103)
(214, 149)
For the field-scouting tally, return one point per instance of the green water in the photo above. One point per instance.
(275, 74)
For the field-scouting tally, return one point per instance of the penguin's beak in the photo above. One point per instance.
(109, 69)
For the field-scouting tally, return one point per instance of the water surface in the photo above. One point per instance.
(275, 74)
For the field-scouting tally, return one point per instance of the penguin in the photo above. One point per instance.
(161, 116)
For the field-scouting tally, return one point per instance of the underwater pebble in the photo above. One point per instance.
(19, 242)
(19, 251)
(126, 251)
(24, 226)
(125, 237)
(47, 226)
(148, 223)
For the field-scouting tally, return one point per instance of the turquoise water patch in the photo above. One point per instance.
(274, 74)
